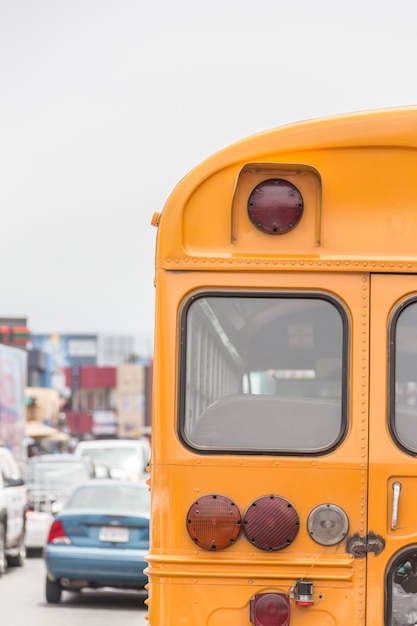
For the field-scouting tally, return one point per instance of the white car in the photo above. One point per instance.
(126, 459)
(50, 480)
(13, 503)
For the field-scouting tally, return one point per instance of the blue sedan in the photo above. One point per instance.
(99, 539)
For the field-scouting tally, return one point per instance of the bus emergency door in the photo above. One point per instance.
(391, 549)
(312, 465)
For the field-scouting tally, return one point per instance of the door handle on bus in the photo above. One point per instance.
(394, 517)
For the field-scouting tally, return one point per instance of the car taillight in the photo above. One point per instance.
(270, 609)
(275, 206)
(57, 533)
(213, 522)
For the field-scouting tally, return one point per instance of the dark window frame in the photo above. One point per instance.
(392, 374)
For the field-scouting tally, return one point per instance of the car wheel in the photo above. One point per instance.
(3, 559)
(18, 559)
(53, 591)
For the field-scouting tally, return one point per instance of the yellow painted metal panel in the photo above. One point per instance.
(366, 164)
(354, 242)
(179, 476)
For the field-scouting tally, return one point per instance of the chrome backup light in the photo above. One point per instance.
(327, 524)
(275, 206)
(270, 609)
(214, 522)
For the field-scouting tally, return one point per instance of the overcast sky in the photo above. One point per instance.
(106, 104)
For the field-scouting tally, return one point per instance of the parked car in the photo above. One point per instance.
(126, 459)
(13, 503)
(99, 539)
(50, 480)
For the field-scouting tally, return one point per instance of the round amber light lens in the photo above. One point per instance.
(275, 206)
(214, 522)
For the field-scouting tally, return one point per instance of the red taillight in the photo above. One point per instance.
(213, 522)
(271, 523)
(57, 533)
(275, 206)
(270, 609)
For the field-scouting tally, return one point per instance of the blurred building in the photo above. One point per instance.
(109, 401)
(131, 399)
(14, 331)
(86, 349)
(89, 385)
(44, 388)
(43, 405)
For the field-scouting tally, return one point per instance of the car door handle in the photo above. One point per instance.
(395, 499)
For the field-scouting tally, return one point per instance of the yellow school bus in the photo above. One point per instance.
(284, 474)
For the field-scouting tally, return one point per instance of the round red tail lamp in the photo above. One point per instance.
(270, 609)
(275, 206)
(271, 523)
(214, 522)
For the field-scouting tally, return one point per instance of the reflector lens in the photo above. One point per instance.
(271, 609)
(328, 524)
(271, 523)
(275, 206)
(214, 522)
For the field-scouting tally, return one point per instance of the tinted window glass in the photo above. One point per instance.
(115, 497)
(263, 373)
(404, 374)
(401, 596)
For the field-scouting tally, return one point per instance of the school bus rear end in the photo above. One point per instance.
(283, 473)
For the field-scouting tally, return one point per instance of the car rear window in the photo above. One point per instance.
(111, 498)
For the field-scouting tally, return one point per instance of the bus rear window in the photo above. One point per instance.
(403, 371)
(263, 374)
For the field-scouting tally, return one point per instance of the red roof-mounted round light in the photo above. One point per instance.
(275, 206)
(271, 523)
(214, 522)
